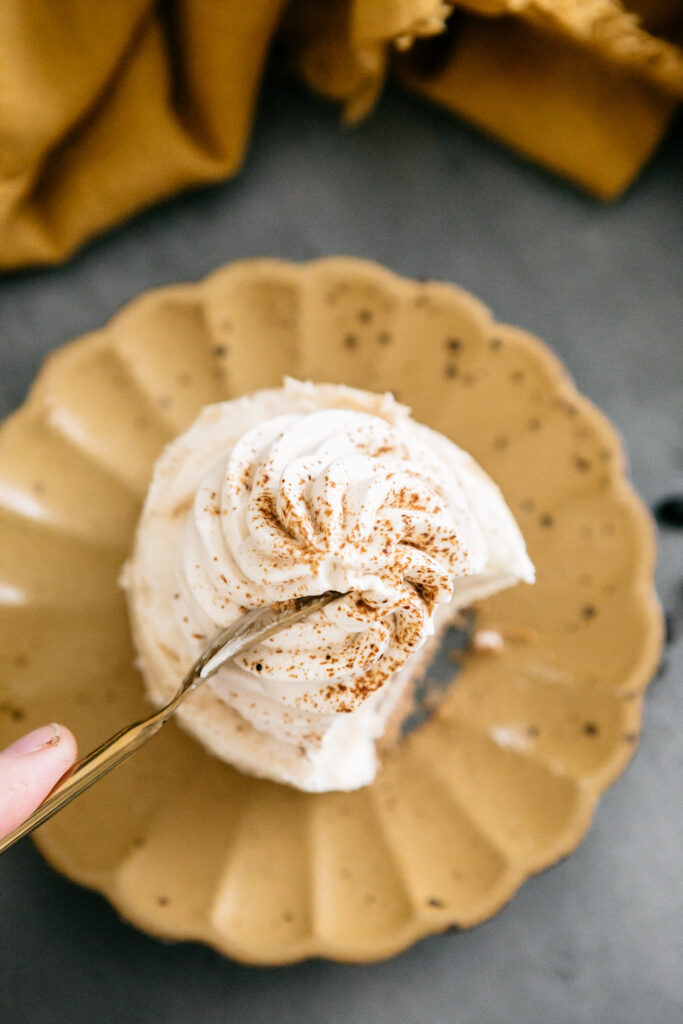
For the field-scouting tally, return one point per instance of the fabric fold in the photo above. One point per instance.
(105, 109)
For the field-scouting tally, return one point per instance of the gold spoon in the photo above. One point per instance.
(248, 631)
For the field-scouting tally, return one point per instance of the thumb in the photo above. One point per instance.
(29, 769)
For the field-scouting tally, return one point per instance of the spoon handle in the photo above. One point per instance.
(247, 632)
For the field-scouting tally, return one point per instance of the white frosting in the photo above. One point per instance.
(295, 491)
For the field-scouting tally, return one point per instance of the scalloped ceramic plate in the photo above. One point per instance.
(500, 783)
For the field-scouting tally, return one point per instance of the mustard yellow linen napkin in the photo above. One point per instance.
(584, 87)
(105, 108)
(577, 85)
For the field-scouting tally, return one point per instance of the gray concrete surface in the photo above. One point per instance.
(599, 938)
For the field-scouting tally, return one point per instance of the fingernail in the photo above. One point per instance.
(45, 736)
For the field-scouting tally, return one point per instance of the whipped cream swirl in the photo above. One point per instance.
(293, 491)
(332, 500)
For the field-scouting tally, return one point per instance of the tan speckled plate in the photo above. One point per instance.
(499, 784)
